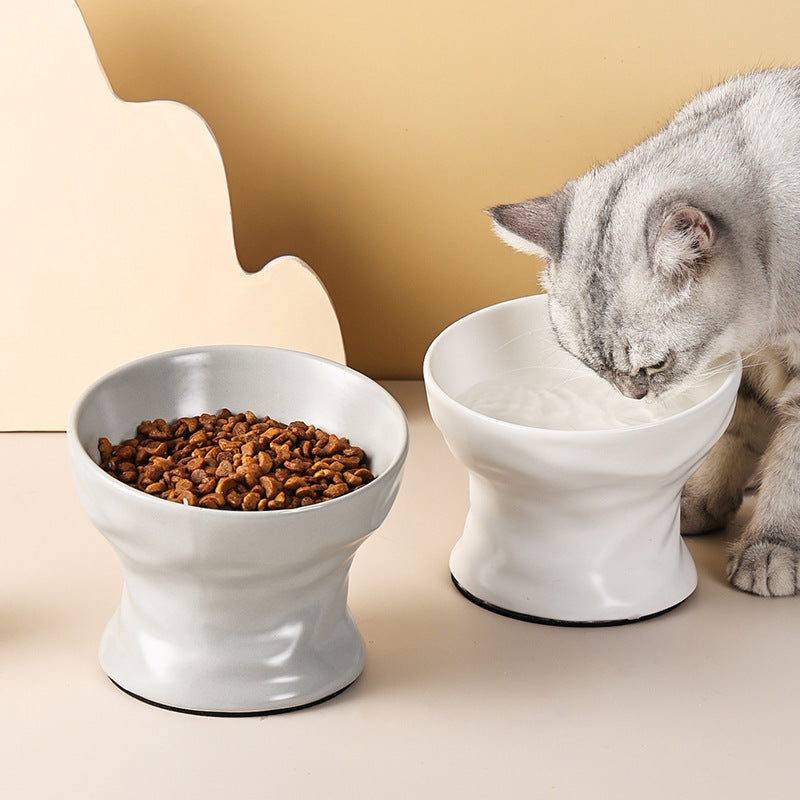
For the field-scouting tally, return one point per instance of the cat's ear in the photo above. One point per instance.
(534, 226)
(683, 245)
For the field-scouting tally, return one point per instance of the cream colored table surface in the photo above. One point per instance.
(454, 701)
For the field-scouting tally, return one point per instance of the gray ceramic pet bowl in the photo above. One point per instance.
(235, 612)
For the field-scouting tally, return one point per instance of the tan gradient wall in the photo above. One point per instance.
(366, 137)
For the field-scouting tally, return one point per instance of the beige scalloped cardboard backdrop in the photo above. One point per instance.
(115, 229)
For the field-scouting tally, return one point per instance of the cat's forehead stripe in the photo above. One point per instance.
(607, 212)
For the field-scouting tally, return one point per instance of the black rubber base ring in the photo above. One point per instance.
(563, 623)
(266, 713)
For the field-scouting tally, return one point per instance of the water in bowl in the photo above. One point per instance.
(558, 399)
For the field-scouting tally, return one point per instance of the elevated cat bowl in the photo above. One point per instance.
(235, 612)
(566, 526)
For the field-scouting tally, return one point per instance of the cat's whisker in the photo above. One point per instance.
(524, 334)
(722, 367)
(546, 368)
(725, 367)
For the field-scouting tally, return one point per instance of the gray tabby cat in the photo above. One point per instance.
(684, 249)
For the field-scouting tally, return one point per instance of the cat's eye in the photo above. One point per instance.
(659, 366)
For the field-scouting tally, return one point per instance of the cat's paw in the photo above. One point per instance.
(701, 512)
(765, 565)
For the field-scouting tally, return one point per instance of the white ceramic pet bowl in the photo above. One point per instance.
(568, 526)
(235, 612)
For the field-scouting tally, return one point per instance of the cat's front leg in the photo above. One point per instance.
(713, 494)
(766, 559)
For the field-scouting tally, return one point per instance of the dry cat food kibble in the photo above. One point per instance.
(236, 462)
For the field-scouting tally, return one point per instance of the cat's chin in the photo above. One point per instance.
(671, 390)
(693, 381)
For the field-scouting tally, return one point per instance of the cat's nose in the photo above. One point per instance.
(633, 386)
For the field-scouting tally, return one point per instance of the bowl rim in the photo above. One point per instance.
(434, 387)
(80, 452)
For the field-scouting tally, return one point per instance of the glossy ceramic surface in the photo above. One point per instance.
(235, 612)
(565, 526)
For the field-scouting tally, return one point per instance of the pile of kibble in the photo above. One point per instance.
(236, 462)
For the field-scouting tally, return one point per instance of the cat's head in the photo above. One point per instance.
(636, 285)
